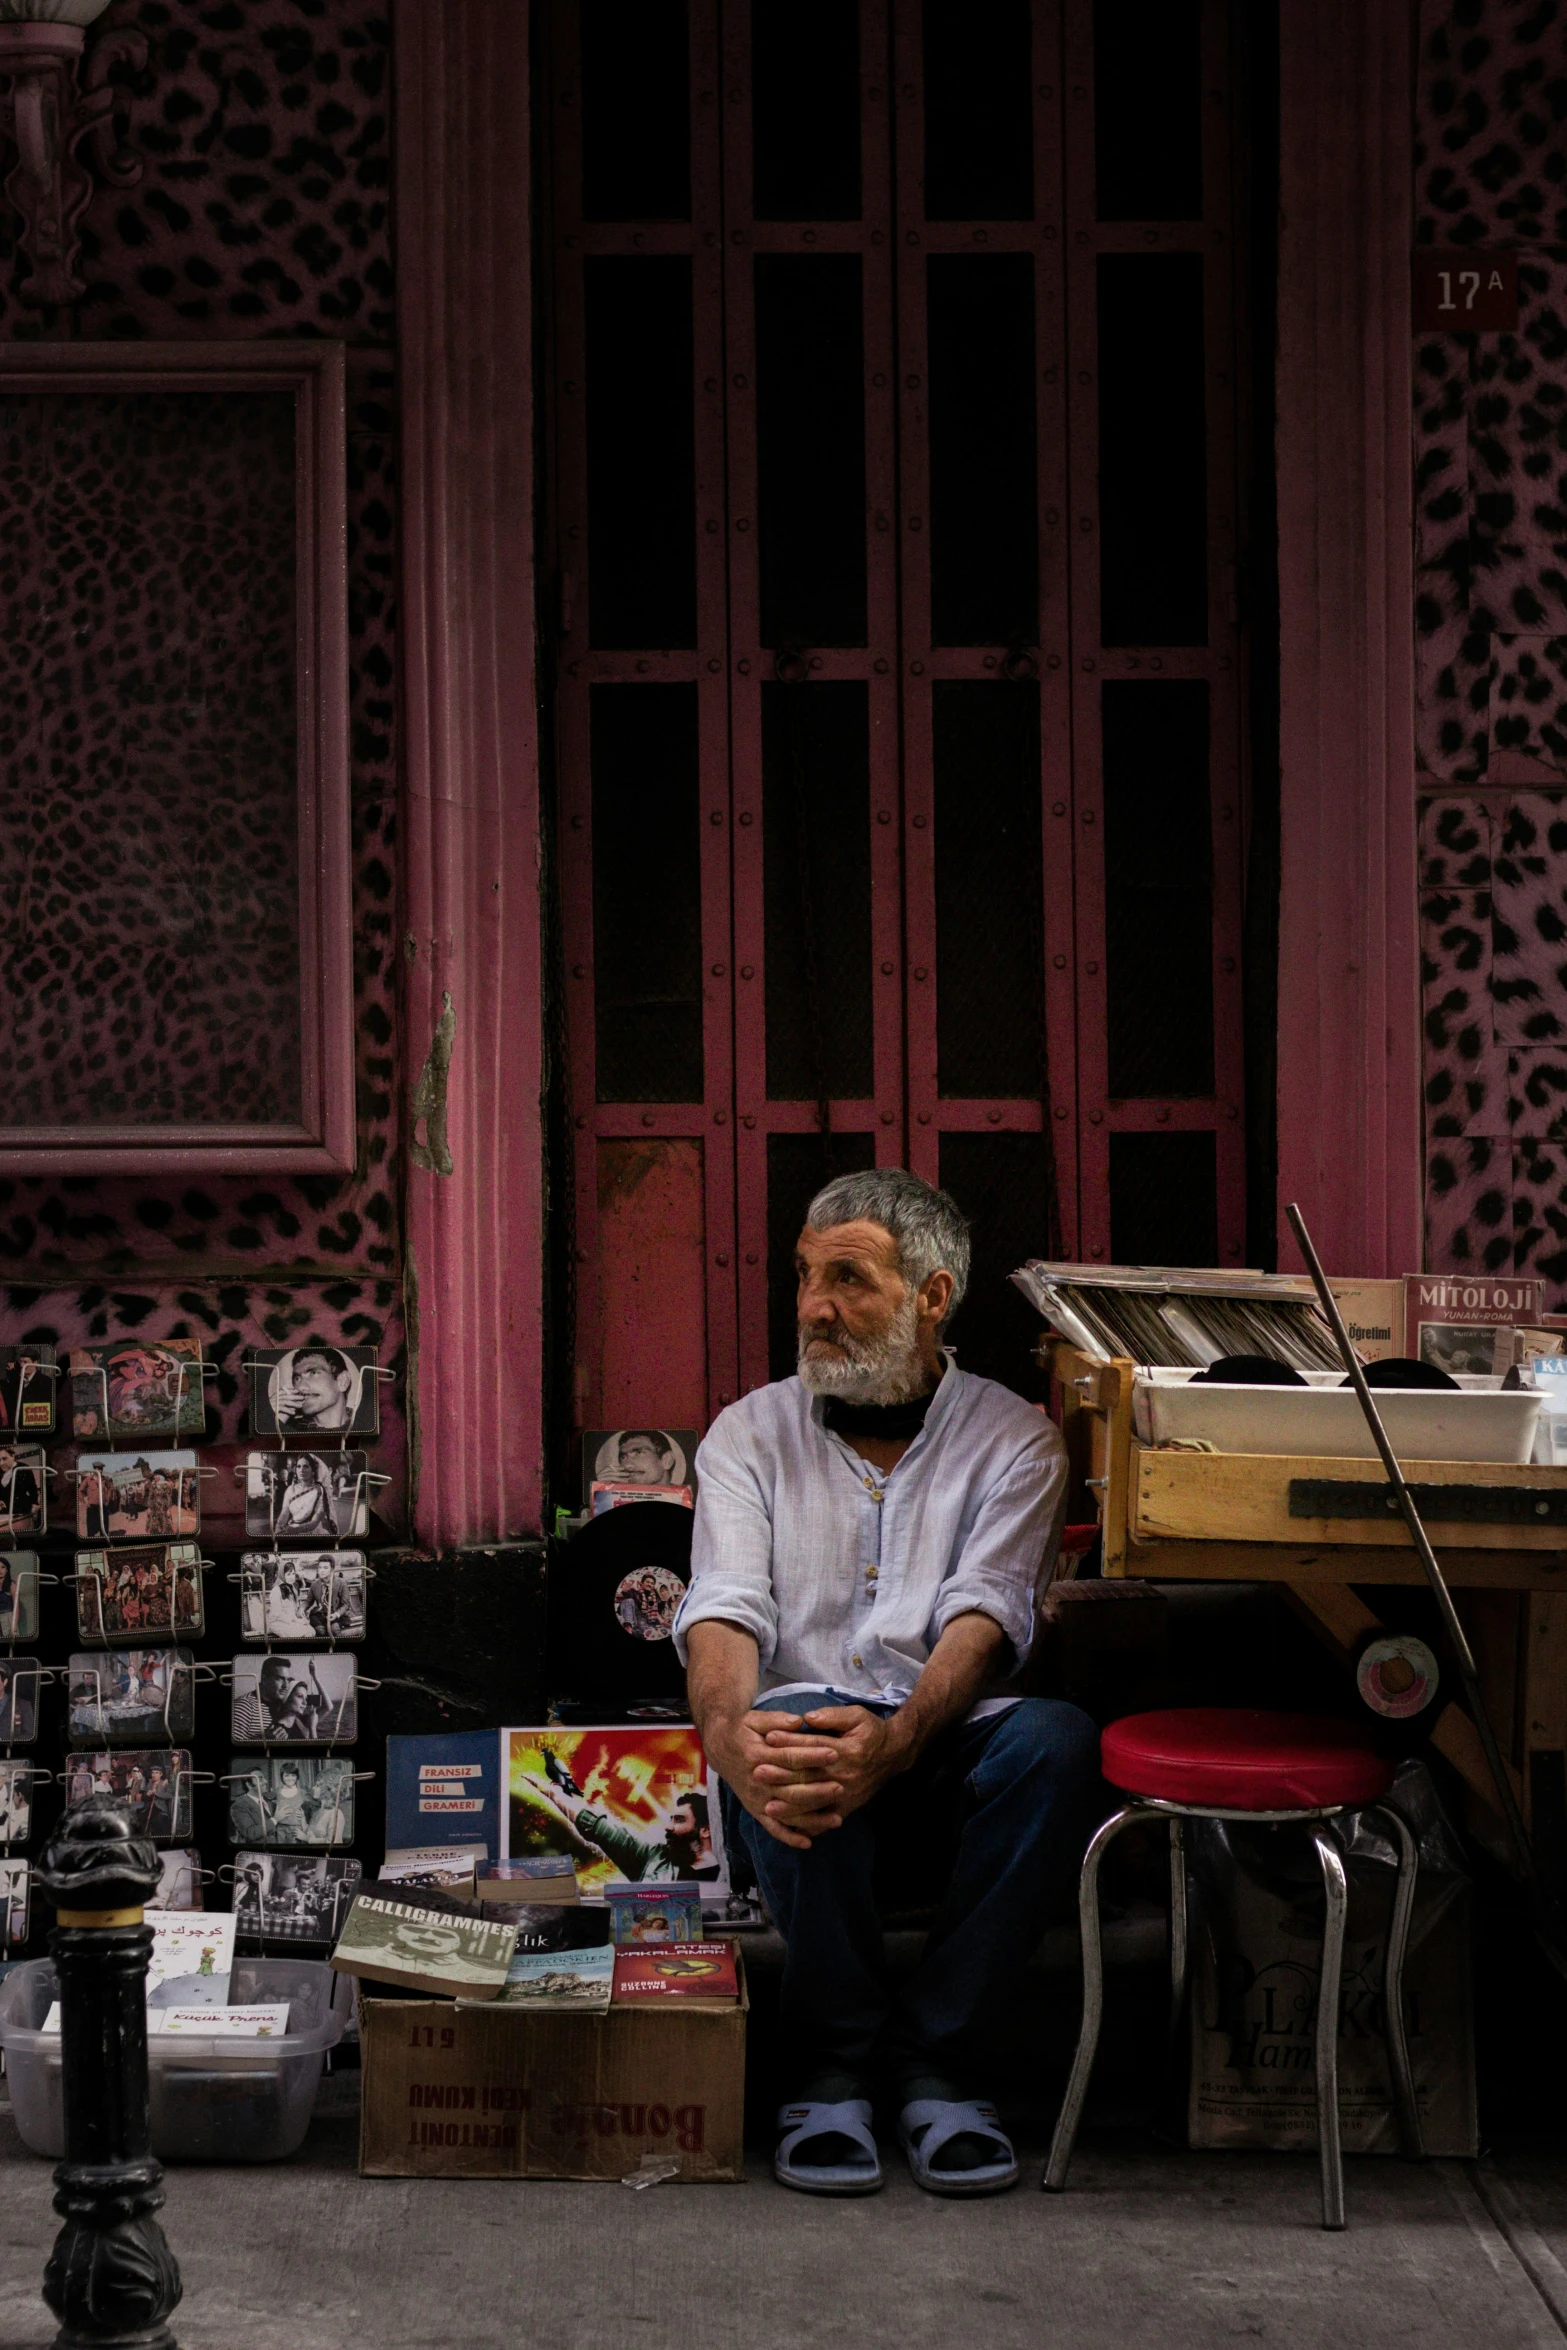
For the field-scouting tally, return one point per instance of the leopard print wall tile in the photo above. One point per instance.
(1490, 451)
(263, 209)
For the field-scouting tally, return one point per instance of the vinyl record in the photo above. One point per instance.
(614, 1589)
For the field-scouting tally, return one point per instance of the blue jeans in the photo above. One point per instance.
(1018, 1794)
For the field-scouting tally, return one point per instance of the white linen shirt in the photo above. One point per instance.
(847, 1578)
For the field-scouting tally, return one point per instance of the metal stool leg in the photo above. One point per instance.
(1093, 1999)
(1179, 1950)
(1393, 1983)
(1336, 1888)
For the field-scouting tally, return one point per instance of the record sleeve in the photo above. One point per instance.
(284, 1699)
(615, 1588)
(637, 1456)
(150, 1591)
(301, 1595)
(304, 1799)
(19, 1683)
(179, 1880)
(117, 1696)
(154, 1784)
(631, 1804)
(136, 1496)
(15, 1891)
(16, 1801)
(24, 1491)
(18, 1595)
(315, 1391)
(137, 1387)
(288, 1897)
(321, 1497)
(28, 1375)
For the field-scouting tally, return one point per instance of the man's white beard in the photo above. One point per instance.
(889, 1369)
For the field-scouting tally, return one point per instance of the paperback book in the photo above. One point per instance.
(420, 1948)
(698, 1970)
(654, 1913)
(444, 1788)
(580, 1981)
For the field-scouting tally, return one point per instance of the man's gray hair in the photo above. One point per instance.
(928, 1227)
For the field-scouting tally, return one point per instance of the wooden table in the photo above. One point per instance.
(1170, 1515)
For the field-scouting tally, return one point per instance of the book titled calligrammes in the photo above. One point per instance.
(441, 1950)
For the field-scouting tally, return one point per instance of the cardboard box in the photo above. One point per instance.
(495, 2092)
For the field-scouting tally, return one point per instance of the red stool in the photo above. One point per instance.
(1214, 1763)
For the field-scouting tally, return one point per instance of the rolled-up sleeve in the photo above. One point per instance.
(731, 1548)
(1009, 1555)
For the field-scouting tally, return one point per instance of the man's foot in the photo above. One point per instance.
(825, 2146)
(976, 2160)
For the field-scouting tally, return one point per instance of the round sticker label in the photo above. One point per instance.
(646, 1601)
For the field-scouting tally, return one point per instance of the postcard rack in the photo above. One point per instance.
(1321, 1528)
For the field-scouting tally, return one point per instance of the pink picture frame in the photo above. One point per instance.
(312, 373)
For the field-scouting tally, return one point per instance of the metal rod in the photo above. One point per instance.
(1518, 1834)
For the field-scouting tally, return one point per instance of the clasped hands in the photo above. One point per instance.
(803, 1774)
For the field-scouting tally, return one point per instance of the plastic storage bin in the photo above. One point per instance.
(1480, 1422)
(211, 2100)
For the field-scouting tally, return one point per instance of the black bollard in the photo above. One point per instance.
(111, 2277)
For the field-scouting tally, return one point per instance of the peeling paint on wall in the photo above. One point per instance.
(429, 1096)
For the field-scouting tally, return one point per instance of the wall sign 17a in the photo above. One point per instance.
(1466, 293)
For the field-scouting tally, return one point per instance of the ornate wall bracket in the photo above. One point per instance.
(57, 107)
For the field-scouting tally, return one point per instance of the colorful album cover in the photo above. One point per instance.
(315, 1390)
(137, 1387)
(24, 1490)
(27, 1384)
(131, 1497)
(307, 1496)
(302, 1594)
(179, 1879)
(291, 1799)
(16, 1801)
(615, 1497)
(153, 1782)
(15, 1890)
(152, 1592)
(18, 1594)
(119, 1695)
(287, 1700)
(630, 1804)
(637, 1456)
(285, 1897)
(19, 1680)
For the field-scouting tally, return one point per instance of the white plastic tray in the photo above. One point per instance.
(1477, 1423)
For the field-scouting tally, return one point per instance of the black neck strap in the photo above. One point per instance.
(891, 1421)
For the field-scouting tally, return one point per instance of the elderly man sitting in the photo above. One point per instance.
(870, 1537)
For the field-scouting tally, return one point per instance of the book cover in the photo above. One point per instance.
(627, 1802)
(192, 1958)
(221, 2023)
(1466, 1322)
(579, 1981)
(444, 1788)
(552, 1925)
(423, 1948)
(655, 1913)
(694, 1970)
(549, 1877)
